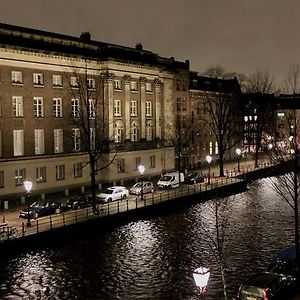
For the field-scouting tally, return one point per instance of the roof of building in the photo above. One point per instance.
(48, 42)
(288, 101)
(212, 84)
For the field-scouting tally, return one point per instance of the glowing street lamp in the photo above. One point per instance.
(208, 159)
(201, 276)
(142, 171)
(28, 187)
(238, 152)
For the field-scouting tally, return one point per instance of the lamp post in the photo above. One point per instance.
(238, 152)
(28, 186)
(201, 276)
(208, 159)
(142, 171)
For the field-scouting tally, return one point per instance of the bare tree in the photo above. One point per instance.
(180, 135)
(89, 115)
(215, 227)
(223, 121)
(291, 82)
(260, 81)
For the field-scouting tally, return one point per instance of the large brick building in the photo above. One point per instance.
(40, 142)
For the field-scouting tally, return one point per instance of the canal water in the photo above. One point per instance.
(154, 258)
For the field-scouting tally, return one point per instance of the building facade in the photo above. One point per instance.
(132, 90)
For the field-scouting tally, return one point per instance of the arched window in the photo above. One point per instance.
(118, 132)
(134, 132)
(149, 131)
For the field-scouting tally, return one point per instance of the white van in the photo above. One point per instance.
(170, 180)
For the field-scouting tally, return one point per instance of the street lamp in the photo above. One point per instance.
(238, 152)
(208, 159)
(28, 186)
(201, 276)
(142, 171)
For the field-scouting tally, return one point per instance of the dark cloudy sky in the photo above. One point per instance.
(240, 35)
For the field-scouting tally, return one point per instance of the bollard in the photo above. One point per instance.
(66, 192)
(43, 197)
(82, 189)
(5, 204)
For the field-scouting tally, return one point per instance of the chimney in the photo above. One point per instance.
(85, 36)
(139, 46)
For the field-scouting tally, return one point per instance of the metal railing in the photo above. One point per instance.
(72, 217)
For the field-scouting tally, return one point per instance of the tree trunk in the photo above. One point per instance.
(296, 210)
(93, 180)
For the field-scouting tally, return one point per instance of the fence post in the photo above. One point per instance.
(160, 198)
(87, 213)
(152, 199)
(136, 202)
(118, 207)
(23, 229)
(37, 226)
(144, 201)
(50, 222)
(108, 209)
(64, 220)
(75, 216)
(127, 203)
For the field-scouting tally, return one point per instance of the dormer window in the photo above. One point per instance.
(74, 82)
(148, 87)
(133, 86)
(57, 80)
(117, 84)
(91, 83)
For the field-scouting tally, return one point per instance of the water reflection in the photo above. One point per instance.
(154, 258)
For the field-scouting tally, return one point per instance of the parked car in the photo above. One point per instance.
(193, 178)
(268, 286)
(80, 201)
(39, 209)
(170, 180)
(137, 188)
(113, 193)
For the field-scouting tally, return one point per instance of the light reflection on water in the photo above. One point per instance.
(154, 258)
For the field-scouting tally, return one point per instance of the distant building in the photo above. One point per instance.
(39, 141)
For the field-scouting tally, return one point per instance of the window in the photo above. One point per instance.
(41, 174)
(152, 161)
(38, 79)
(183, 103)
(74, 82)
(20, 176)
(117, 84)
(76, 139)
(58, 140)
(121, 165)
(38, 107)
(137, 162)
(216, 148)
(148, 108)
(210, 148)
(91, 83)
(16, 77)
(117, 108)
(60, 172)
(148, 87)
(75, 108)
(133, 86)
(118, 132)
(93, 138)
(57, 81)
(133, 108)
(77, 167)
(92, 109)
(39, 141)
(149, 131)
(178, 104)
(57, 107)
(134, 132)
(18, 142)
(1, 179)
(17, 106)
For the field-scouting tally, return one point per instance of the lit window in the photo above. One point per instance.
(75, 108)
(117, 84)
(17, 106)
(134, 132)
(76, 139)
(20, 176)
(148, 108)
(38, 105)
(18, 136)
(91, 83)
(16, 77)
(133, 86)
(60, 172)
(57, 107)
(117, 108)
(38, 79)
(57, 81)
(118, 132)
(133, 108)
(41, 174)
(39, 141)
(74, 82)
(58, 141)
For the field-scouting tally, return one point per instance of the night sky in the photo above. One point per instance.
(240, 35)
